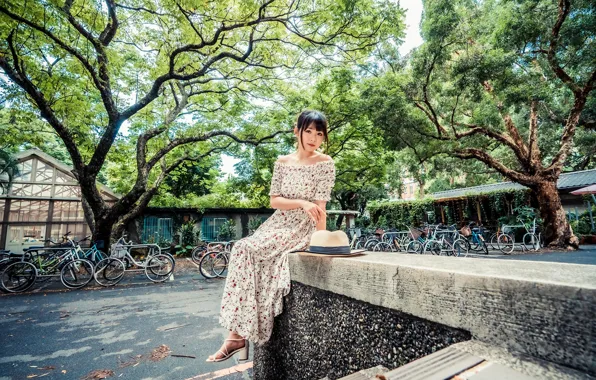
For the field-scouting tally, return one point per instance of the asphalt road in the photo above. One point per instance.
(62, 334)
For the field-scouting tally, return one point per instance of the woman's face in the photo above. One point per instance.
(311, 138)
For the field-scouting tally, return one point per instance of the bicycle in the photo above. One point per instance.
(530, 240)
(474, 239)
(418, 237)
(214, 262)
(157, 266)
(35, 263)
(444, 240)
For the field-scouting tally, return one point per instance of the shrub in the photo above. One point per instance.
(253, 223)
(227, 231)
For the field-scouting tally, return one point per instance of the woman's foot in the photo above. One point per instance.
(230, 347)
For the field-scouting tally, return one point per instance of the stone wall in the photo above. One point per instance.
(325, 334)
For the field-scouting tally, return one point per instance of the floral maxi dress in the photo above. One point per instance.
(258, 273)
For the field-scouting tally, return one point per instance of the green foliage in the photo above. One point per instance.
(362, 222)
(400, 214)
(8, 170)
(582, 225)
(227, 231)
(331, 222)
(189, 237)
(253, 223)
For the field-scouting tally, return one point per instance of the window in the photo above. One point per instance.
(28, 211)
(156, 230)
(64, 191)
(31, 190)
(210, 227)
(62, 177)
(43, 172)
(77, 231)
(24, 171)
(68, 211)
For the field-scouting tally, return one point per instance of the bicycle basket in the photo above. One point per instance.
(415, 233)
(118, 251)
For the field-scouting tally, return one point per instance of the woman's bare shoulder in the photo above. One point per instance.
(287, 159)
(323, 158)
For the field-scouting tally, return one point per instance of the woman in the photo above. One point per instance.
(258, 273)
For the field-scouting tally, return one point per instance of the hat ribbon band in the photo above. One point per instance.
(329, 250)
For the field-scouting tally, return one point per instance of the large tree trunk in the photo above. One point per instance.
(558, 232)
(103, 231)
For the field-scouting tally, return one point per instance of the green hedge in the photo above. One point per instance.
(494, 205)
(399, 213)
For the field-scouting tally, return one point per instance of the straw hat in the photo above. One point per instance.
(330, 244)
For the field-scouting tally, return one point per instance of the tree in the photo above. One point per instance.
(9, 168)
(92, 67)
(504, 83)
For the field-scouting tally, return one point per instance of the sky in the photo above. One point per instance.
(412, 40)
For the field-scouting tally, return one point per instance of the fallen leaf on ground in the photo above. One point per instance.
(63, 371)
(160, 353)
(46, 368)
(98, 374)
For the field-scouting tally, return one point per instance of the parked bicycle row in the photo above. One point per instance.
(446, 240)
(76, 267)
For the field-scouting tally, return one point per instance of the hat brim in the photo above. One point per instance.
(355, 252)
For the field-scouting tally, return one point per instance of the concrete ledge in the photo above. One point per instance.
(543, 310)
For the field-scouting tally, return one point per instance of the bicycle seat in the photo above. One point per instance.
(13, 254)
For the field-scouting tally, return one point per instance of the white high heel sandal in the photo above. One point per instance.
(243, 351)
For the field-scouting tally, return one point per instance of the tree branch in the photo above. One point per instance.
(19, 76)
(473, 153)
(564, 8)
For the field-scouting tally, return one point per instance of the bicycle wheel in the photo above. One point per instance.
(159, 267)
(447, 249)
(197, 254)
(109, 271)
(18, 277)
(207, 263)
(370, 244)
(494, 241)
(220, 264)
(414, 247)
(432, 247)
(506, 243)
(76, 273)
(531, 242)
(460, 247)
(383, 247)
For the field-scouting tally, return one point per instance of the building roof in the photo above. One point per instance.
(22, 156)
(572, 180)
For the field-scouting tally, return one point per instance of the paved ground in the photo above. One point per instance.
(58, 334)
(585, 255)
(68, 334)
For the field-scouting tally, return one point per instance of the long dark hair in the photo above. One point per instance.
(308, 117)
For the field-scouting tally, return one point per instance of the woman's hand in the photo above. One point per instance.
(314, 211)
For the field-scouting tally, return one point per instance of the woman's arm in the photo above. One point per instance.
(316, 212)
(322, 223)
(281, 203)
